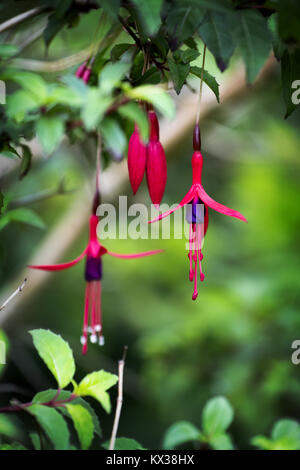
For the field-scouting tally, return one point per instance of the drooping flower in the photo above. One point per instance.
(198, 220)
(84, 70)
(92, 322)
(148, 158)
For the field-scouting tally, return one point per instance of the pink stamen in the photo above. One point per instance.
(190, 255)
(93, 312)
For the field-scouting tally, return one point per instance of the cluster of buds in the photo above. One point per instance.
(148, 158)
(84, 70)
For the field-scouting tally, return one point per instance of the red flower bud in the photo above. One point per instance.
(86, 75)
(156, 162)
(81, 69)
(137, 154)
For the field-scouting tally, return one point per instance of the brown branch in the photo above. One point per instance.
(119, 401)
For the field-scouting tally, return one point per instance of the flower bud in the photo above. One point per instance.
(137, 154)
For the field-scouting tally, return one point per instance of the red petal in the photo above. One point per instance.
(154, 126)
(156, 171)
(187, 198)
(217, 206)
(58, 267)
(135, 255)
(137, 154)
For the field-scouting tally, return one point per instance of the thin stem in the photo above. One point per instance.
(52, 404)
(119, 401)
(201, 84)
(98, 162)
(13, 295)
(40, 196)
(22, 17)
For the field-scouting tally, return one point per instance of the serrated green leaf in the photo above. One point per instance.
(149, 11)
(179, 433)
(50, 130)
(48, 395)
(111, 75)
(156, 96)
(215, 33)
(113, 136)
(83, 424)
(124, 443)
(19, 104)
(57, 355)
(95, 385)
(179, 73)
(53, 424)
(133, 112)
(95, 107)
(253, 37)
(31, 82)
(186, 56)
(210, 81)
(217, 416)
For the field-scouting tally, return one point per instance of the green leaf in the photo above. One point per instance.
(151, 76)
(26, 161)
(253, 37)
(31, 82)
(179, 433)
(186, 56)
(289, 20)
(179, 73)
(215, 33)
(35, 439)
(13, 446)
(221, 442)
(8, 50)
(290, 73)
(113, 136)
(50, 130)
(4, 340)
(156, 96)
(9, 151)
(95, 385)
(1, 204)
(83, 424)
(262, 443)
(7, 426)
(118, 50)
(24, 215)
(48, 395)
(217, 416)
(210, 81)
(286, 433)
(111, 75)
(111, 7)
(95, 107)
(57, 355)
(53, 424)
(133, 112)
(124, 443)
(19, 104)
(149, 11)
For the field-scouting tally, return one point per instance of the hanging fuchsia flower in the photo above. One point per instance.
(150, 158)
(93, 253)
(198, 220)
(84, 70)
(137, 155)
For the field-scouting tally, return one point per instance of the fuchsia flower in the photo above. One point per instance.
(93, 253)
(198, 224)
(150, 158)
(84, 71)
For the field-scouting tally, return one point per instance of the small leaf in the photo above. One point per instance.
(95, 385)
(50, 130)
(7, 426)
(24, 215)
(95, 107)
(150, 14)
(118, 50)
(113, 136)
(57, 355)
(8, 50)
(83, 424)
(111, 75)
(210, 81)
(31, 82)
(124, 443)
(19, 104)
(133, 112)
(253, 37)
(156, 96)
(179, 433)
(53, 424)
(35, 439)
(221, 442)
(286, 434)
(179, 73)
(26, 161)
(217, 416)
(262, 442)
